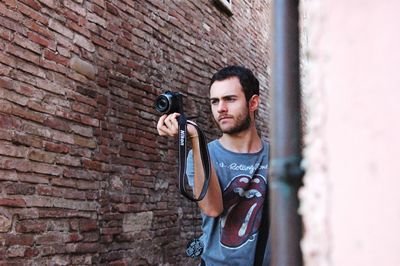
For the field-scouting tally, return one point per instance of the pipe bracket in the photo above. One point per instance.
(288, 170)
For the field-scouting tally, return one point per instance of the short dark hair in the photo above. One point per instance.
(249, 82)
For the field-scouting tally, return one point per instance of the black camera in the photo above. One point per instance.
(169, 102)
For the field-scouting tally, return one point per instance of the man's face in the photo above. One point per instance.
(229, 106)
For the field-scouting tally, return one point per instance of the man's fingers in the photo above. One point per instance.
(167, 125)
(160, 125)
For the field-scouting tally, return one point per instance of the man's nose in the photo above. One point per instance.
(222, 107)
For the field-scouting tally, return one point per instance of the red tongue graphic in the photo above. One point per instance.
(243, 201)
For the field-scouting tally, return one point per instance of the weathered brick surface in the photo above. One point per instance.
(84, 178)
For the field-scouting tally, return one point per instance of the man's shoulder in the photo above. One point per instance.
(265, 141)
(213, 143)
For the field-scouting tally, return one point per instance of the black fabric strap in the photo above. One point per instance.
(263, 231)
(205, 158)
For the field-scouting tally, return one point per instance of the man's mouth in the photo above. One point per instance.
(224, 117)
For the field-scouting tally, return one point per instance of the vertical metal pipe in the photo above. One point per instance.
(286, 174)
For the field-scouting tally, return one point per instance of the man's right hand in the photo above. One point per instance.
(168, 126)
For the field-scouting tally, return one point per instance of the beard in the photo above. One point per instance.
(242, 122)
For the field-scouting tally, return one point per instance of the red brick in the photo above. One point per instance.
(49, 191)
(23, 54)
(50, 55)
(26, 43)
(91, 236)
(31, 252)
(29, 91)
(6, 107)
(111, 230)
(39, 156)
(63, 182)
(33, 178)
(6, 83)
(84, 142)
(19, 189)
(16, 251)
(80, 98)
(10, 24)
(75, 194)
(69, 160)
(27, 140)
(77, 174)
(78, 28)
(53, 67)
(82, 108)
(56, 124)
(112, 9)
(58, 213)
(5, 135)
(38, 39)
(43, 168)
(92, 165)
(41, 107)
(121, 262)
(89, 121)
(28, 114)
(30, 24)
(88, 225)
(83, 248)
(13, 151)
(17, 164)
(33, 14)
(50, 238)
(23, 240)
(64, 113)
(70, 15)
(81, 184)
(50, 86)
(4, 70)
(57, 148)
(12, 202)
(6, 121)
(7, 12)
(54, 249)
(75, 237)
(33, 4)
(11, 3)
(127, 161)
(100, 41)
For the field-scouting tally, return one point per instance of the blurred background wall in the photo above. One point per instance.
(84, 177)
(350, 203)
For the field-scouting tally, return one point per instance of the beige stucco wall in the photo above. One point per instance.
(351, 87)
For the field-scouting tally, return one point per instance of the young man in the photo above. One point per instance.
(233, 205)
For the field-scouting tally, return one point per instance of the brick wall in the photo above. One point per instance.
(84, 177)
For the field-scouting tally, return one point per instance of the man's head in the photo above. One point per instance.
(234, 99)
(249, 82)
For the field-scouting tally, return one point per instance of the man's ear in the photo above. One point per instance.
(254, 102)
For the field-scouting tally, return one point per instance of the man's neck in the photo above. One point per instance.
(247, 141)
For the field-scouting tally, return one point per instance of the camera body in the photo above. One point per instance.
(169, 102)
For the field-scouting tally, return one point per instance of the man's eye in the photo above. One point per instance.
(214, 102)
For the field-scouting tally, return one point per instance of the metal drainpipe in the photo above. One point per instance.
(286, 173)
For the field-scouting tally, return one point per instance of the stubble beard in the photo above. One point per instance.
(241, 124)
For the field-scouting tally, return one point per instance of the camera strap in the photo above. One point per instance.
(204, 155)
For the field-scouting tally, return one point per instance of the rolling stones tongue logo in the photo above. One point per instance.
(243, 200)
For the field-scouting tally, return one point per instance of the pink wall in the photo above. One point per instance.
(354, 55)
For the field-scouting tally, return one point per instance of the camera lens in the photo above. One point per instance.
(162, 104)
